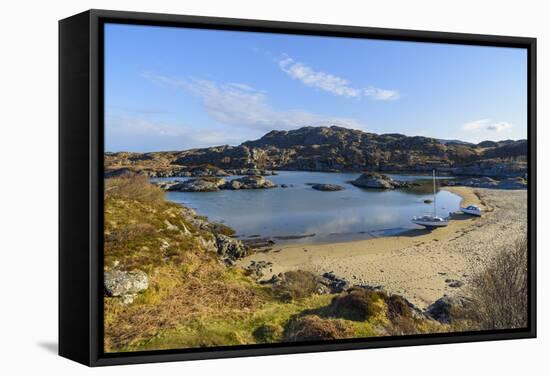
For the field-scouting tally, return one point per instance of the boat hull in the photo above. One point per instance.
(471, 212)
(429, 224)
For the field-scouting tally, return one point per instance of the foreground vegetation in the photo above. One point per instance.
(195, 298)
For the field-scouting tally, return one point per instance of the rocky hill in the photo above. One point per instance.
(337, 149)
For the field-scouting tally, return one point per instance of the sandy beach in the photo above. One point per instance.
(419, 264)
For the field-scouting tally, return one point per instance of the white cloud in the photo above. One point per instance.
(331, 83)
(241, 105)
(487, 125)
(381, 94)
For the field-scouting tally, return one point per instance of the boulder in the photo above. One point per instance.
(443, 308)
(229, 248)
(125, 284)
(327, 187)
(374, 180)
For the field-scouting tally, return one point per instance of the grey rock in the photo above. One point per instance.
(229, 248)
(256, 268)
(443, 308)
(125, 284)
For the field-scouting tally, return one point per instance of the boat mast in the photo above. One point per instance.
(435, 210)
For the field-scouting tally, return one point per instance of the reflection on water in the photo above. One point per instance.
(352, 213)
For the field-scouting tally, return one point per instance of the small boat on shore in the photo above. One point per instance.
(431, 221)
(472, 210)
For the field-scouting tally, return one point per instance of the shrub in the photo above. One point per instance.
(358, 304)
(402, 325)
(296, 284)
(499, 294)
(398, 307)
(268, 333)
(314, 328)
(133, 187)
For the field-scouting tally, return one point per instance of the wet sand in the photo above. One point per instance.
(416, 263)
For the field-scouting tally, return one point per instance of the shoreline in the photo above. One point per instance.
(418, 264)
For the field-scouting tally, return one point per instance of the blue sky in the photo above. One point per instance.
(173, 89)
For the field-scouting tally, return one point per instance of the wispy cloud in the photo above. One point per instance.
(134, 126)
(331, 83)
(486, 124)
(239, 104)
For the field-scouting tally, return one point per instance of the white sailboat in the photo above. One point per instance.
(431, 221)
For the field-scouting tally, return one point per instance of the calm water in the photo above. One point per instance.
(352, 213)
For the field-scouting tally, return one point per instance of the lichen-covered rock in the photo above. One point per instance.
(125, 284)
(230, 248)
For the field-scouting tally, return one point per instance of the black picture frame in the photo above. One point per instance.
(81, 185)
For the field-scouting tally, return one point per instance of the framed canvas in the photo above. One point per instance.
(236, 187)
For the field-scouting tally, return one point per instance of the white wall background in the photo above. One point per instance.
(28, 209)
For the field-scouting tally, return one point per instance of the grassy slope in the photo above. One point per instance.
(194, 299)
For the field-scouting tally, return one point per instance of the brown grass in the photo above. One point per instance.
(133, 187)
(358, 304)
(314, 328)
(174, 301)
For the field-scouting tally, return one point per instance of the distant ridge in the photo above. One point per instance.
(341, 149)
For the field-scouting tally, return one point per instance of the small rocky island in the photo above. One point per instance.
(376, 180)
(213, 184)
